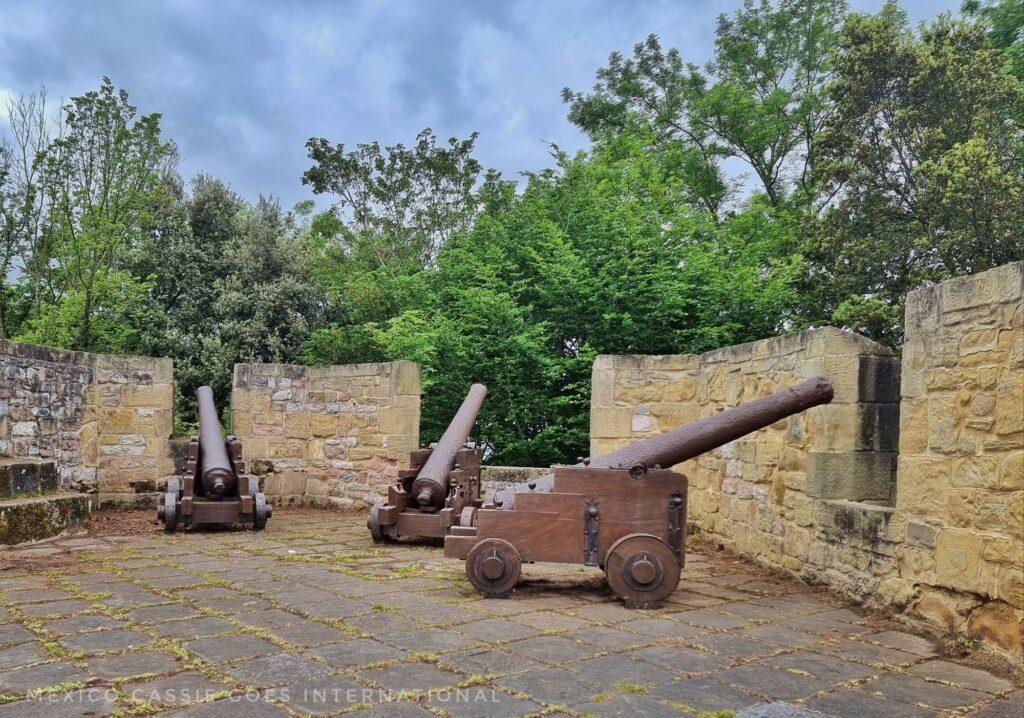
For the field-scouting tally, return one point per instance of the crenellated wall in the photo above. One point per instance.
(809, 494)
(105, 420)
(906, 491)
(327, 435)
(960, 488)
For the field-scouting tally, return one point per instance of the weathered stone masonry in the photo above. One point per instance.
(906, 491)
(105, 420)
(327, 435)
(960, 492)
(821, 496)
(786, 495)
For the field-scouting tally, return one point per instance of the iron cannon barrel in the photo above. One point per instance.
(430, 487)
(673, 447)
(217, 477)
(700, 437)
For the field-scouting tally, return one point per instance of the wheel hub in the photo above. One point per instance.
(643, 570)
(493, 567)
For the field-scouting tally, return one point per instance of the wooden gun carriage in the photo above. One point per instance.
(441, 482)
(214, 487)
(621, 511)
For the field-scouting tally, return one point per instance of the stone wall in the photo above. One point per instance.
(497, 478)
(906, 491)
(105, 420)
(327, 435)
(778, 494)
(960, 489)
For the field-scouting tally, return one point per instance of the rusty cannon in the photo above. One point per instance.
(214, 487)
(441, 483)
(624, 511)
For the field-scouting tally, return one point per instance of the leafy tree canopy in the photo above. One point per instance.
(876, 158)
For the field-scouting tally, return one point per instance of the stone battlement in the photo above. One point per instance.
(906, 491)
(105, 420)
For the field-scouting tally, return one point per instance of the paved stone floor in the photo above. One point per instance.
(311, 617)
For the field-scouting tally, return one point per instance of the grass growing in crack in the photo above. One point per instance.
(601, 697)
(58, 688)
(477, 679)
(358, 707)
(702, 713)
(54, 649)
(136, 706)
(633, 687)
(176, 649)
(409, 571)
(339, 625)
(209, 581)
(269, 637)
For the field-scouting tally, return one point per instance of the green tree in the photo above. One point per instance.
(1006, 18)
(24, 255)
(102, 181)
(600, 254)
(229, 283)
(922, 168)
(10, 236)
(396, 206)
(759, 99)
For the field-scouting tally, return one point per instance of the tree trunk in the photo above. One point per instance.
(86, 335)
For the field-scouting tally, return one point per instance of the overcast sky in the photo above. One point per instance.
(243, 85)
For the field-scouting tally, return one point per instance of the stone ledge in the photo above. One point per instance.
(19, 476)
(495, 478)
(816, 342)
(851, 475)
(40, 352)
(37, 518)
(866, 525)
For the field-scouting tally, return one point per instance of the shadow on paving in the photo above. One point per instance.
(310, 617)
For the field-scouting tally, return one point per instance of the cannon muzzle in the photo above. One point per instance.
(700, 437)
(217, 477)
(430, 488)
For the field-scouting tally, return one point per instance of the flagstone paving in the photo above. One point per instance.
(310, 617)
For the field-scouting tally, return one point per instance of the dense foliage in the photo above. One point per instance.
(872, 158)
(105, 251)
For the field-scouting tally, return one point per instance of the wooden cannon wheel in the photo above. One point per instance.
(167, 511)
(262, 511)
(373, 523)
(642, 570)
(493, 566)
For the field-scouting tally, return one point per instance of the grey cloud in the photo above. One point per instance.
(242, 85)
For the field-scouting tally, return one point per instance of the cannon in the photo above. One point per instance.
(214, 487)
(624, 511)
(442, 482)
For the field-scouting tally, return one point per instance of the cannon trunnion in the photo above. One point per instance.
(441, 482)
(620, 511)
(214, 488)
